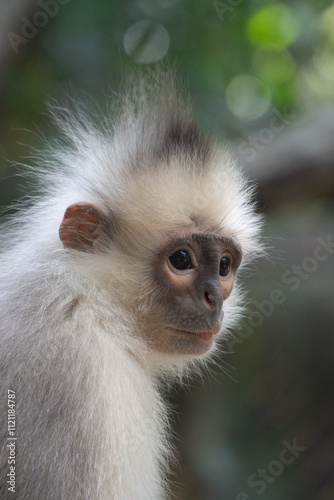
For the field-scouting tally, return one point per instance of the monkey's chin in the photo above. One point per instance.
(189, 342)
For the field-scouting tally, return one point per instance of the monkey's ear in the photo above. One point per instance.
(82, 225)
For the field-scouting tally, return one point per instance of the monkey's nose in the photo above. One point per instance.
(213, 299)
(209, 301)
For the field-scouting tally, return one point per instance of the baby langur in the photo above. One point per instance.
(122, 274)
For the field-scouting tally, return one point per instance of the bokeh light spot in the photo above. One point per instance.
(273, 67)
(146, 42)
(247, 97)
(273, 27)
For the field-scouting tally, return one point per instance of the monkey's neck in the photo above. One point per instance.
(133, 421)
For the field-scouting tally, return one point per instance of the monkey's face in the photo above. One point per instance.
(193, 274)
(179, 309)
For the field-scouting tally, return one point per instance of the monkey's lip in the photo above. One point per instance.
(204, 334)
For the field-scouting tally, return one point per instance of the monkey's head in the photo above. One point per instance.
(170, 256)
(170, 226)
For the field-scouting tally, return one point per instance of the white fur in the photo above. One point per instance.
(91, 424)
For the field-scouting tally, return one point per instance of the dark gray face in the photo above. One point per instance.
(193, 275)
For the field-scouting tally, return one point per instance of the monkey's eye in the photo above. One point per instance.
(181, 260)
(225, 266)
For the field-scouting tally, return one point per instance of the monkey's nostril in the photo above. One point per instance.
(208, 301)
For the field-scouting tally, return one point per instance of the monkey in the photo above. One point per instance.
(121, 275)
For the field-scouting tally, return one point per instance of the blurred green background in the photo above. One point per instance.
(260, 425)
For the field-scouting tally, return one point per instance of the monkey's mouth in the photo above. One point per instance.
(203, 334)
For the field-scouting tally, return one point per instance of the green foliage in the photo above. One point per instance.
(273, 27)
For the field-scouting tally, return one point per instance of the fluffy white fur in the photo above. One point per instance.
(91, 424)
